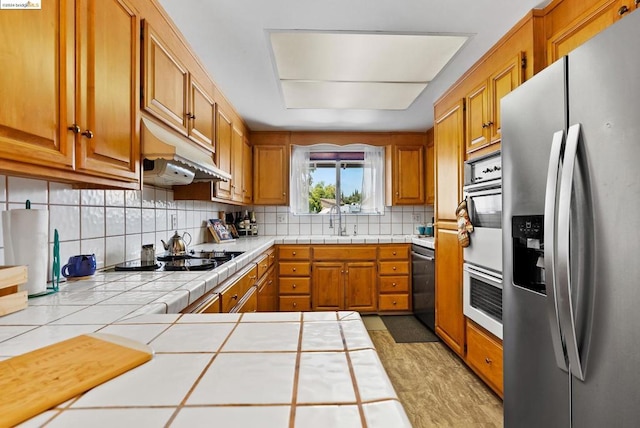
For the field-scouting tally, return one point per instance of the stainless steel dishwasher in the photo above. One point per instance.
(423, 281)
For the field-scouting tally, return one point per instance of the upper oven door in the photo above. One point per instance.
(484, 203)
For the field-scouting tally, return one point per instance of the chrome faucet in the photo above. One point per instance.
(342, 230)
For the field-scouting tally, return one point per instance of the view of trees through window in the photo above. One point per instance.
(324, 185)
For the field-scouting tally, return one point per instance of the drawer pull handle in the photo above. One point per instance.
(234, 297)
(270, 282)
(623, 10)
(488, 360)
(253, 277)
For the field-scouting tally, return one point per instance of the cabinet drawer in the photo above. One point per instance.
(248, 279)
(394, 268)
(394, 252)
(263, 265)
(295, 303)
(294, 268)
(230, 296)
(249, 302)
(394, 284)
(210, 306)
(394, 302)
(295, 285)
(293, 252)
(271, 256)
(344, 252)
(484, 354)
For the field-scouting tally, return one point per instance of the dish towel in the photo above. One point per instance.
(464, 224)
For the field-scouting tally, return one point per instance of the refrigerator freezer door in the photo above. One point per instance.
(604, 97)
(536, 391)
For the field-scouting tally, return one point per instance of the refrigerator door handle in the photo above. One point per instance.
(550, 249)
(565, 303)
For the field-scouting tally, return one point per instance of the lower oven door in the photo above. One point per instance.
(482, 297)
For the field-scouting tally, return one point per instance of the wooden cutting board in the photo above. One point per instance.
(39, 380)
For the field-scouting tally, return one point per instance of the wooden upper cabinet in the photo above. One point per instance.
(483, 105)
(37, 101)
(477, 103)
(430, 179)
(107, 90)
(449, 141)
(69, 104)
(166, 82)
(237, 154)
(223, 152)
(567, 36)
(247, 172)
(270, 175)
(201, 114)
(407, 172)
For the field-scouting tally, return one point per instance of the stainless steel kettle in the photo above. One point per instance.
(177, 245)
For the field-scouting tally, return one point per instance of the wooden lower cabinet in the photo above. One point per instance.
(484, 356)
(449, 315)
(294, 278)
(249, 302)
(394, 282)
(267, 292)
(344, 286)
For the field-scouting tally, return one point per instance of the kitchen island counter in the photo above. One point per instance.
(239, 370)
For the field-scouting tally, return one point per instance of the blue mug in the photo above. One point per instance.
(82, 265)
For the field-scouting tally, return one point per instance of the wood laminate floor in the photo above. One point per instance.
(435, 387)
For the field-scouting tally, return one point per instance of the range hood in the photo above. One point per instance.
(170, 159)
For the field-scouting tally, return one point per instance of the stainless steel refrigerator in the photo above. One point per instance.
(571, 238)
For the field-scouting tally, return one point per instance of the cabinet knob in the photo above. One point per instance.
(394, 268)
(253, 277)
(293, 253)
(88, 134)
(347, 272)
(284, 194)
(234, 297)
(484, 125)
(394, 303)
(264, 265)
(190, 116)
(623, 10)
(293, 286)
(393, 285)
(75, 128)
(269, 282)
(488, 360)
(294, 269)
(394, 253)
(295, 305)
(397, 193)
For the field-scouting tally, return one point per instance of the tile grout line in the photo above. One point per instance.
(204, 370)
(296, 375)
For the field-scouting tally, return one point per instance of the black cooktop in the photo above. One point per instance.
(201, 260)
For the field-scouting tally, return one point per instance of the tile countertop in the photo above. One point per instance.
(281, 369)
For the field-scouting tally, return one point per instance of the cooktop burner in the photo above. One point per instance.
(191, 264)
(137, 265)
(201, 260)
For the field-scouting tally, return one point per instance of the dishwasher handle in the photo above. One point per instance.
(420, 256)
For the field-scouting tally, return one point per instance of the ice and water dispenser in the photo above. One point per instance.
(527, 233)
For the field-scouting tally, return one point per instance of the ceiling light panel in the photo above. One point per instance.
(350, 95)
(357, 57)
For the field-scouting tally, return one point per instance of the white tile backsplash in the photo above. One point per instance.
(20, 189)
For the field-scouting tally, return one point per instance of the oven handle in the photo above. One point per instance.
(486, 186)
(420, 256)
(481, 275)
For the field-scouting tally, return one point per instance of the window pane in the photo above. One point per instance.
(351, 187)
(322, 187)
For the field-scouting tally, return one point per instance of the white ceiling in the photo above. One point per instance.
(231, 38)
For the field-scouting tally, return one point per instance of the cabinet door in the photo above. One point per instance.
(408, 175)
(223, 152)
(165, 82)
(449, 316)
(449, 134)
(247, 172)
(361, 289)
(107, 91)
(430, 169)
(585, 26)
(237, 154)
(501, 83)
(327, 286)
(37, 104)
(270, 175)
(201, 115)
(477, 117)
